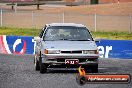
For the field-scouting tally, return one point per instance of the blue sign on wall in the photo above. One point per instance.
(26, 45)
(18, 44)
(115, 49)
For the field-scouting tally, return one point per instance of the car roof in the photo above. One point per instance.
(65, 24)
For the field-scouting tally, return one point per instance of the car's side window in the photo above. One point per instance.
(41, 33)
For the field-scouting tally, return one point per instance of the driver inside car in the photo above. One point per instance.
(54, 34)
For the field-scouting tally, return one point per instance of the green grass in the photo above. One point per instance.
(19, 31)
(35, 32)
(113, 35)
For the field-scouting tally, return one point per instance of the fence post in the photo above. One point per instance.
(95, 22)
(15, 7)
(32, 19)
(1, 18)
(63, 17)
(130, 23)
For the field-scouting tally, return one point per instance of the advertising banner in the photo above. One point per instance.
(26, 45)
(17, 45)
(115, 49)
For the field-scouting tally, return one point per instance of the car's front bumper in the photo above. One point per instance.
(57, 59)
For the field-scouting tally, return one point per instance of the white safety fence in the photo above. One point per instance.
(95, 22)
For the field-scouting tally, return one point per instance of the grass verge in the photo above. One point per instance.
(113, 35)
(19, 31)
(35, 32)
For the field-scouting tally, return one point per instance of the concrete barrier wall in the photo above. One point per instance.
(26, 45)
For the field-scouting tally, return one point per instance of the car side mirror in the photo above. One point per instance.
(37, 39)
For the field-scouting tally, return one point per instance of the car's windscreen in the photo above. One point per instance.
(69, 33)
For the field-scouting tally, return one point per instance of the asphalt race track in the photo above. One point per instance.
(17, 71)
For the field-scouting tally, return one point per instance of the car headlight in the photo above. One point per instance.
(51, 51)
(90, 52)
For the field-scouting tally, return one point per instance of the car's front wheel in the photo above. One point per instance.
(91, 68)
(95, 68)
(36, 63)
(43, 67)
